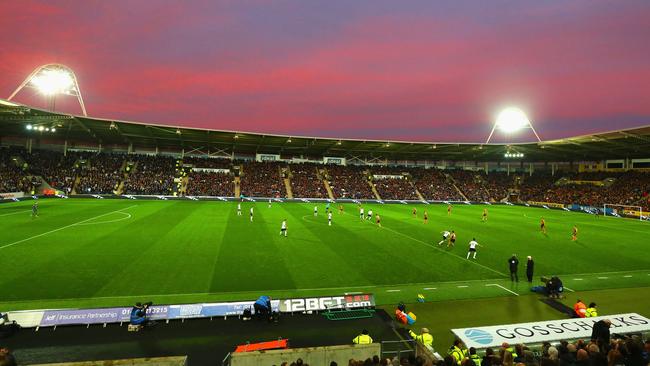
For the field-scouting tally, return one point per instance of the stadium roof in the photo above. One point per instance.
(14, 118)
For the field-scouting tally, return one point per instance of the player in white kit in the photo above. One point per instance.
(472, 248)
(329, 218)
(283, 228)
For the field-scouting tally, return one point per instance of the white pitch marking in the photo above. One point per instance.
(568, 289)
(430, 288)
(353, 293)
(503, 288)
(126, 217)
(63, 227)
(577, 279)
(603, 278)
(461, 286)
(393, 290)
(14, 213)
(628, 276)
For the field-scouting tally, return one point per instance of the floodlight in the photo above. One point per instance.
(52, 80)
(53, 129)
(511, 120)
(47, 129)
(41, 128)
(29, 127)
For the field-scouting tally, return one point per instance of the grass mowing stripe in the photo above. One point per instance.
(191, 247)
(64, 227)
(443, 251)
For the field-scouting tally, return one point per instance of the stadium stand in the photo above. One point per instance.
(349, 182)
(481, 187)
(11, 176)
(151, 175)
(262, 180)
(102, 174)
(210, 184)
(210, 163)
(433, 185)
(58, 170)
(305, 182)
(391, 186)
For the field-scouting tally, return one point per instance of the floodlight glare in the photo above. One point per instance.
(53, 81)
(41, 128)
(511, 120)
(29, 127)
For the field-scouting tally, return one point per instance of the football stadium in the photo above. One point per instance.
(138, 242)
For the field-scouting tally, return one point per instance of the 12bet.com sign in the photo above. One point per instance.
(328, 302)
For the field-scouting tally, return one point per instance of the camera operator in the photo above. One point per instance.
(263, 307)
(139, 314)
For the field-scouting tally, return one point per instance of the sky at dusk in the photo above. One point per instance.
(375, 69)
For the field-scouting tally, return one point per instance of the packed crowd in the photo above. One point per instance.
(481, 187)
(262, 180)
(57, 169)
(393, 183)
(628, 351)
(211, 163)
(151, 175)
(305, 182)
(210, 184)
(395, 189)
(629, 188)
(374, 361)
(349, 182)
(101, 174)
(433, 185)
(11, 177)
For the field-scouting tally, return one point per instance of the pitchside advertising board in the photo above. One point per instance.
(549, 331)
(50, 318)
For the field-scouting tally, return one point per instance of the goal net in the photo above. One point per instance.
(635, 212)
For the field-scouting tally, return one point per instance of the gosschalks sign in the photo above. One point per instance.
(548, 331)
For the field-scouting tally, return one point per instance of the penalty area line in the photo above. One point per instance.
(63, 227)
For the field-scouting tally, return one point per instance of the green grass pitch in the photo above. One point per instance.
(82, 252)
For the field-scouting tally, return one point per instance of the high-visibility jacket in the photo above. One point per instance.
(512, 351)
(457, 353)
(591, 312)
(580, 308)
(476, 359)
(424, 338)
(362, 339)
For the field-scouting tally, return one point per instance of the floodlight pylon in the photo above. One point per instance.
(74, 89)
(527, 124)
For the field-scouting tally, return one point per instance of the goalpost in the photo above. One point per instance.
(610, 209)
